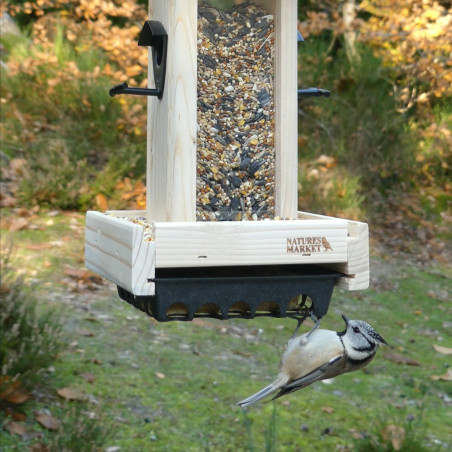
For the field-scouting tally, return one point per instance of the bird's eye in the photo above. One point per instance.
(356, 329)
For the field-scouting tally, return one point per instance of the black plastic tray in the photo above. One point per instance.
(235, 292)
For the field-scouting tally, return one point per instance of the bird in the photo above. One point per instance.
(319, 355)
(326, 244)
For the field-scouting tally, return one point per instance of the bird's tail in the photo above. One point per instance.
(270, 389)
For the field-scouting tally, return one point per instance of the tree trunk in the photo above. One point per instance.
(348, 17)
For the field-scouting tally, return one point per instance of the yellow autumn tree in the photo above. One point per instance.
(414, 37)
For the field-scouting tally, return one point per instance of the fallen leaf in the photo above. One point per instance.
(84, 275)
(39, 447)
(7, 200)
(71, 394)
(18, 224)
(12, 391)
(327, 409)
(442, 350)
(19, 416)
(445, 377)
(86, 333)
(16, 428)
(400, 359)
(159, 375)
(88, 377)
(38, 246)
(47, 421)
(244, 354)
(394, 434)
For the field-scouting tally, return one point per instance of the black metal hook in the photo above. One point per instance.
(153, 34)
(313, 92)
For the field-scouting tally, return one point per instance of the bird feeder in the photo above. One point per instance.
(221, 235)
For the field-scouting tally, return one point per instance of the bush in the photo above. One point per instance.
(57, 115)
(29, 339)
(79, 431)
(358, 127)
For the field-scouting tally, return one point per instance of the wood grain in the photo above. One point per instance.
(357, 266)
(286, 108)
(249, 243)
(171, 145)
(116, 250)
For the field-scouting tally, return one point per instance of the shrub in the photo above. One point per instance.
(57, 115)
(79, 431)
(29, 338)
(358, 126)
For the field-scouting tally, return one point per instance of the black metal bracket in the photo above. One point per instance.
(236, 292)
(313, 92)
(153, 34)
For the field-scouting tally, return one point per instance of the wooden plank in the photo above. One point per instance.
(171, 145)
(116, 250)
(286, 108)
(250, 243)
(357, 263)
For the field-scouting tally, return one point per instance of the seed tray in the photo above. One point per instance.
(235, 292)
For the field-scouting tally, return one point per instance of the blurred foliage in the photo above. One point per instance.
(386, 129)
(80, 431)
(57, 116)
(30, 339)
(387, 124)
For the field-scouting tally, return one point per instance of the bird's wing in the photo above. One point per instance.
(303, 357)
(324, 371)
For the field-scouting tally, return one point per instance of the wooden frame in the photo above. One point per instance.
(117, 249)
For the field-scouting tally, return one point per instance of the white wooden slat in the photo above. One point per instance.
(116, 250)
(249, 243)
(357, 262)
(171, 144)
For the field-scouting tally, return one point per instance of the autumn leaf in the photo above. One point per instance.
(445, 377)
(38, 246)
(83, 275)
(327, 409)
(394, 434)
(47, 421)
(101, 202)
(86, 333)
(442, 350)
(88, 377)
(12, 391)
(39, 447)
(400, 359)
(71, 394)
(17, 224)
(16, 428)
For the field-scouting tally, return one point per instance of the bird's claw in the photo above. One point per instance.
(316, 321)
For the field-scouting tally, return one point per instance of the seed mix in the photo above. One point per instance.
(235, 111)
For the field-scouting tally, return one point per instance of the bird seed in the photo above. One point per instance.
(235, 109)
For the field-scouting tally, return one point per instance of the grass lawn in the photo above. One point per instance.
(174, 386)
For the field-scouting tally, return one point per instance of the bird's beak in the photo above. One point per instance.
(345, 319)
(381, 340)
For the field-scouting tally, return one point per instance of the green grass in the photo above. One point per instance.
(174, 386)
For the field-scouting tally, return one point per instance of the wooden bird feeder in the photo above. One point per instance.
(221, 235)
